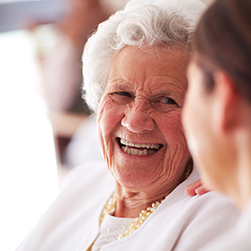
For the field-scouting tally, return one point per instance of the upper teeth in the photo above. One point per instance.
(127, 143)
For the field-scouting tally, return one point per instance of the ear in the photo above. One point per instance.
(226, 104)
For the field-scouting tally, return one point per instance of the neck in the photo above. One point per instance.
(241, 188)
(130, 204)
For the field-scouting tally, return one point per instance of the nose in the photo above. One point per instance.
(138, 119)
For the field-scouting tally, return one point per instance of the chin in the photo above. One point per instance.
(134, 180)
(212, 184)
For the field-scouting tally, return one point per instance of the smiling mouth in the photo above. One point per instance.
(138, 149)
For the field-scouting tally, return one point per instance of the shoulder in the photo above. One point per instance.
(206, 217)
(85, 175)
(75, 210)
(214, 208)
(197, 219)
(209, 203)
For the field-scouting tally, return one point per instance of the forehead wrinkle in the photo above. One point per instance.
(121, 79)
(167, 86)
(118, 83)
(142, 81)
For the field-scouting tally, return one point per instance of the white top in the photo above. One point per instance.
(238, 238)
(110, 229)
(179, 223)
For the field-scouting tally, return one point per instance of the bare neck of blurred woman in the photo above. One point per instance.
(240, 189)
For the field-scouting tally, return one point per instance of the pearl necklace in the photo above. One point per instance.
(144, 214)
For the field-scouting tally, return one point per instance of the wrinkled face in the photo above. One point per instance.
(139, 118)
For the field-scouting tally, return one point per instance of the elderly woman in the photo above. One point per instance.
(135, 81)
(218, 106)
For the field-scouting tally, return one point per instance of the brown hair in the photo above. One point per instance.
(223, 41)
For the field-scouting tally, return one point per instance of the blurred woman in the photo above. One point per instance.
(217, 114)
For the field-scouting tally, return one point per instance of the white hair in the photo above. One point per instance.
(142, 22)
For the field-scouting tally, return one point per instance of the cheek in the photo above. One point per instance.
(109, 117)
(173, 130)
(177, 151)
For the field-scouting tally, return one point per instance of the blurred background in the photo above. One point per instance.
(45, 128)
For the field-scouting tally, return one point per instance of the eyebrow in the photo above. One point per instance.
(120, 83)
(163, 88)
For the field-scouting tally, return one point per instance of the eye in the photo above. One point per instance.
(167, 100)
(165, 104)
(122, 94)
(121, 98)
